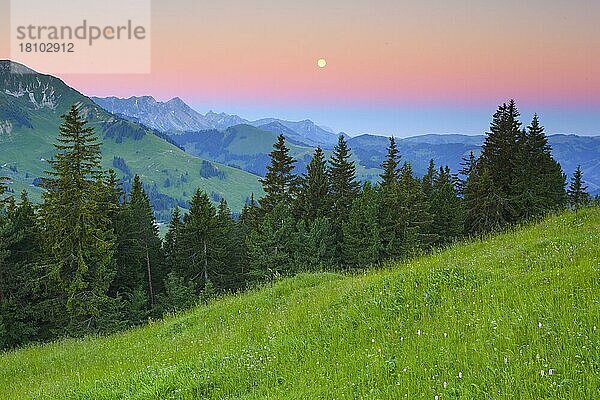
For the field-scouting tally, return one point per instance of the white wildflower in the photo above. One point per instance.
(539, 324)
(445, 385)
(542, 373)
(460, 375)
(550, 371)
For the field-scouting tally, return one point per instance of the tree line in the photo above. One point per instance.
(89, 258)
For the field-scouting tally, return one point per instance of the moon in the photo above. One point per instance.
(321, 63)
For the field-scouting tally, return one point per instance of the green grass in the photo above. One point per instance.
(491, 315)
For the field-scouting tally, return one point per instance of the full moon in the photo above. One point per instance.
(322, 63)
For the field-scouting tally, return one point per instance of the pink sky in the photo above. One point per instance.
(260, 56)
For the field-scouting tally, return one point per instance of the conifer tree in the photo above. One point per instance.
(485, 208)
(314, 193)
(272, 247)
(416, 219)
(344, 189)
(172, 242)
(230, 273)
(362, 243)
(390, 166)
(141, 261)
(539, 183)
(20, 250)
(500, 146)
(446, 209)
(280, 184)
(78, 242)
(468, 165)
(200, 245)
(393, 208)
(577, 193)
(429, 179)
(250, 215)
(342, 178)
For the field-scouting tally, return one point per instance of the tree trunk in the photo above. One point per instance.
(150, 289)
(205, 264)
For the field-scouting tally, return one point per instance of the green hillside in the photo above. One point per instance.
(28, 128)
(247, 147)
(513, 316)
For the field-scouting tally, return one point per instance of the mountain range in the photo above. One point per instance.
(31, 104)
(246, 144)
(175, 116)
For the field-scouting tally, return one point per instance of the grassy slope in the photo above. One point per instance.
(327, 335)
(245, 144)
(153, 158)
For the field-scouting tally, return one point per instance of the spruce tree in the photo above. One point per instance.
(446, 209)
(485, 208)
(171, 244)
(342, 178)
(313, 201)
(78, 241)
(467, 167)
(362, 243)
(230, 273)
(141, 261)
(392, 209)
(415, 221)
(499, 158)
(273, 246)
(390, 166)
(344, 189)
(541, 185)
(577, 193)
(20, 244)
(429, 179)
(201, 248)
(280, 183)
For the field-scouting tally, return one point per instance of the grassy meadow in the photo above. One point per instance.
(514, 316)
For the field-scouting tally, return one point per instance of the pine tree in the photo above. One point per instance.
(468, 165)
(484, 206)
(280, 183)
(171, 244)
(342, 177)
(313, 201)
(499, 158)
(78, 241)
(391, 173)
(392, 209)
(201, 249)
(250, 215)
(446, 209)
(429, 179)
(416, 220)
(20, 250)
(141, 260)
(577, 193)
(362, 243)
(539, 183)
(500, 146)
(272, 247)
(230, 273)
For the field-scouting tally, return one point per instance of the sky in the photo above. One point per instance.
(394, 67)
